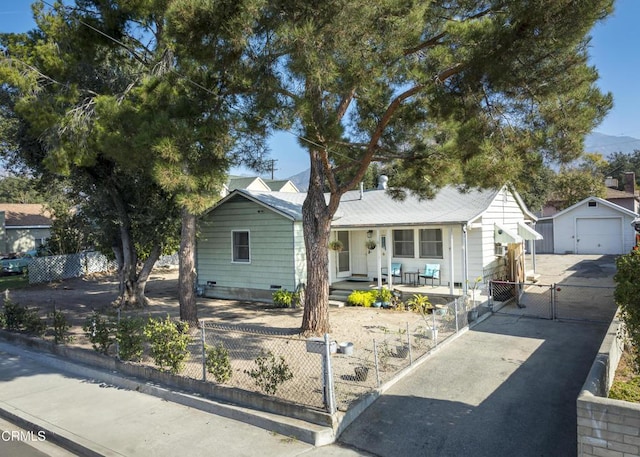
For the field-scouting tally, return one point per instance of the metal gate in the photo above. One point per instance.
(553, 301)
(522, 299)
(584, 303)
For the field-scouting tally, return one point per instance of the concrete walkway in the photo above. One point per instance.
(93, 418)
(508, 387)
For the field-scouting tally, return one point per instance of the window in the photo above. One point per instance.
(403, 243)
(240, 240)
(431, 243)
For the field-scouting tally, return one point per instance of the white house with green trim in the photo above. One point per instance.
(251, 243)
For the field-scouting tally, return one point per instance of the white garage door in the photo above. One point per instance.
(599, 235)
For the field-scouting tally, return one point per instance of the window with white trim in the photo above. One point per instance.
(403, 243)
(431, 243)
(240, 246)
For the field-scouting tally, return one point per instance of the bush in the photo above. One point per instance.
(627, 296)
(218, 363)
(21, 318)
(60, 327)
(364, 298)
(270, 373)
(282, 298)
(100, 331)
(168, 343)
(384, 295)
(130, 338)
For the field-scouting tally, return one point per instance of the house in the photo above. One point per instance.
(251, 243)
(256, 183)
(23, 226)
(591, 226)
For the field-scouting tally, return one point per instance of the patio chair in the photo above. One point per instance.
(396, 271)
(431, 271)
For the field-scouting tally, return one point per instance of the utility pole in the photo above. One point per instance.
(273, 167)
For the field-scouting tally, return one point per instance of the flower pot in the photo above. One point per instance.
(472, 315)
(361, 373)
(346, 348)
(377, 304)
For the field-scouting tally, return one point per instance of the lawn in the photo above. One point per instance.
(12, 282)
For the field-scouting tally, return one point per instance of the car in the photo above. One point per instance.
(17, 263)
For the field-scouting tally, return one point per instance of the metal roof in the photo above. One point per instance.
(378, 208)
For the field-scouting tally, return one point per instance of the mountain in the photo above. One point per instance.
(301, 180)
(608, 144)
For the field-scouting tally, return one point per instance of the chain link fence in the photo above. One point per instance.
(58, 267)
(553, 301)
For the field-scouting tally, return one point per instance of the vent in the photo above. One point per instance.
(593, 204)
(500, 250)
(211, 283)
(275, 287)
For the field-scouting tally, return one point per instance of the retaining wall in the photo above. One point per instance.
(607, 427)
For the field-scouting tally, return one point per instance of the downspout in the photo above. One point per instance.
(465, 260)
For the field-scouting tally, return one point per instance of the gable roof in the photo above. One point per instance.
(244, 182)
(600, 201)
(378, 208)
(615, 193)
(279, 184)
(25, 215)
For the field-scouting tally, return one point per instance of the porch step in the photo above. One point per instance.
(532, 277)
(338, 297)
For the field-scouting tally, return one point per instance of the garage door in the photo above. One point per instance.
(599, 235)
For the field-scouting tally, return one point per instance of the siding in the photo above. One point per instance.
(272, 243)
(21, 240)
(505, 211)
(545, 228)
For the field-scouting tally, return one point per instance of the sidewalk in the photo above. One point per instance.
(92, 418)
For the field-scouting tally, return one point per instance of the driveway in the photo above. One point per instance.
(508, 387)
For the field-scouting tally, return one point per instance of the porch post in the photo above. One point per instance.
(451, 266)
(389, 254)
(465, 259)
(379, 259)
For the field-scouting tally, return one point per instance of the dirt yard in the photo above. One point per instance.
(79, 297)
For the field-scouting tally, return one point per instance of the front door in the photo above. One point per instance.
(344, 256)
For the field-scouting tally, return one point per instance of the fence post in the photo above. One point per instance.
(455, 307)
(375, 359)
(204, 351)
(409, 345)
(554, 303)
(117, 342)
(330, 398)
(434, 332)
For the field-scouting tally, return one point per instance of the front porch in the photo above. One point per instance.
(438, 294)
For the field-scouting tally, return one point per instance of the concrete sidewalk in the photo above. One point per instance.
(93, 418)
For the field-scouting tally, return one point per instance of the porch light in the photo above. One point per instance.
(370, 234)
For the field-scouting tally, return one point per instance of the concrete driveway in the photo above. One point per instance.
(508, 387)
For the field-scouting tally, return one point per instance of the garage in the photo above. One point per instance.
(593, 226)
(599, 235)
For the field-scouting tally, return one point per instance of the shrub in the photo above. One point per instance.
(33, 323)
(283, 298)
(218, 363)
(60, 327)
(420, 304)
(270, 372)
(100, 331)
(168, 343)
(14, 315)
(130, 338)
(362, 298)
(627, 296)
(384, 295)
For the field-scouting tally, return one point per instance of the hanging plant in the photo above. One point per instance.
(370, 244)
(336, 245)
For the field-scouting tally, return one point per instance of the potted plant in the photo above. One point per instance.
(370, 245)
(336, 245)
(384, 296)
(470, 301)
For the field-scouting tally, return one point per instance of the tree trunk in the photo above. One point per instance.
(134, 288)
(316, 223)
(187, 269)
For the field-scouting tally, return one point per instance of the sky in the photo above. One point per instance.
(614, 50)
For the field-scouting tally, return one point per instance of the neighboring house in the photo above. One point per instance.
(252, 243)
(591, 226)
(23, 227)
(258, 184)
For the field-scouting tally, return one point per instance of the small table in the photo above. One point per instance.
(411, 277)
